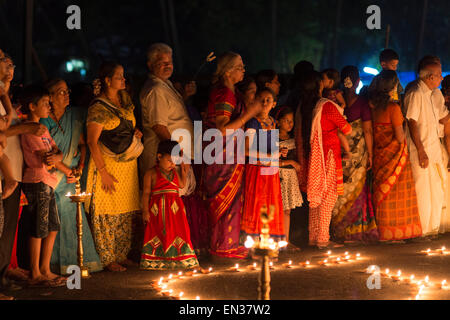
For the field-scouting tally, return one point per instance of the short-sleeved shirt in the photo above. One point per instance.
(13, 149)
(35, 169)
(257, 138)
(162, 105)
(360, 109)
(426, 107)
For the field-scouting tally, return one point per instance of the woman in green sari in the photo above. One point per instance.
(65, 125)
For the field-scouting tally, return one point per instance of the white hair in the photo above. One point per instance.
(155, 50)
(427, 71)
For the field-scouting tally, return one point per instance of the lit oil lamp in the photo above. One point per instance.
(443, 284)
(253, 266)
(271, 265)
(304, 264)
(323, 263)
(235, 268)
(410, 279)
(206, 271)
(397, 277)
(288, 265)
(337, 261)
(386, 273)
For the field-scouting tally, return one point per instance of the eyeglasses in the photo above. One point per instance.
(10, 67)
(62, 92)
(240, 67)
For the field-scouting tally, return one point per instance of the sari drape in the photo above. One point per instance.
(353, 215)
(394, 191)
(65, 248)
(223, 184)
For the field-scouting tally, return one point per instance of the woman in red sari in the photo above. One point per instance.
(394, 192)
(325, 181)
(223, 180)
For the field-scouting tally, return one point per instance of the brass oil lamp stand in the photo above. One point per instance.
(80, 198)
(265, 248)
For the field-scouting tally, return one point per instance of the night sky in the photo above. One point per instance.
(122, 30)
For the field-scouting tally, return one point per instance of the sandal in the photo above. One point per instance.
(45, 283)
(115, 267)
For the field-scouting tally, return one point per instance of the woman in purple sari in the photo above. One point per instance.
(223, 182)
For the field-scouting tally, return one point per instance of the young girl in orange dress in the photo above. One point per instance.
(167, 239)
(262, 181)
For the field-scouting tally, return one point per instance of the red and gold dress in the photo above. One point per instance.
(167, 240)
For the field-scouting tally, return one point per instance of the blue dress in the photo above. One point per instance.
(66, 245)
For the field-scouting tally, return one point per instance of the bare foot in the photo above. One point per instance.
(18, 274)
(115, 267)
(9, 188)
(50, 275)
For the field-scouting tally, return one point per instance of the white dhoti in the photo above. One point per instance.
(445, 218)
(430, 190)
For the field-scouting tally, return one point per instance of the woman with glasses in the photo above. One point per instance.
(65, 125)
(223, 181)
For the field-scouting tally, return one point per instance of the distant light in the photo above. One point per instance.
(69, 66)
(360, 86)
(370, 70)
(83, 72)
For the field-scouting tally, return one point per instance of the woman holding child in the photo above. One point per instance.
(353, 215)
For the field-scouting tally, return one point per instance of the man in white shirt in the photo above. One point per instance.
(163, 108)
(425, 112)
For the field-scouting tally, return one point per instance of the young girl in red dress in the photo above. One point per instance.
(262, 179)
(167, 240)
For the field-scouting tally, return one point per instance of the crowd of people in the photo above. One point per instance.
(371, 167)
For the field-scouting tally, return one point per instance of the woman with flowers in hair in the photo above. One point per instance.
(353, 216)
(223, 180)
(394, 192)
(114, 143)
(65, 125)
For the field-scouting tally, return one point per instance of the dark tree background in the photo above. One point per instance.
(267, 33)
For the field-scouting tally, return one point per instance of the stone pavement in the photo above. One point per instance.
(332, 282)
